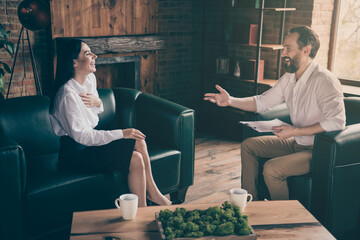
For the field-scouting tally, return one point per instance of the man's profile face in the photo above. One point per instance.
(291, 54)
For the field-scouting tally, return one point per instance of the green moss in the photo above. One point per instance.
(219, 221)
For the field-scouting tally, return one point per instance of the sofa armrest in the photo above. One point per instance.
(12, 181)
(168, 124)
(335, 171)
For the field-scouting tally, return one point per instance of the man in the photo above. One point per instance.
(314, 99)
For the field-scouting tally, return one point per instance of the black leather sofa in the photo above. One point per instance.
(331, 191)
(37, 200)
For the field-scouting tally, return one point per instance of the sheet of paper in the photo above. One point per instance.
(264, 126)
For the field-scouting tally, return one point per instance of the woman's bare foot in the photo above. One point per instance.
(160, 200)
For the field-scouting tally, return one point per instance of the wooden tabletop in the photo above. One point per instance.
(269, 219)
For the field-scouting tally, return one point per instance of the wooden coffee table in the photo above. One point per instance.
(269, 219)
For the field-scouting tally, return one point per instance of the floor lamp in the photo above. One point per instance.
(33, 15)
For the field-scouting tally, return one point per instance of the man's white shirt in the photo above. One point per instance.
(315, 98)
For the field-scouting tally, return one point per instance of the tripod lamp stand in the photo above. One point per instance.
(33, 15)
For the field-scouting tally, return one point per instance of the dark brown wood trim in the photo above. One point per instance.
(287, 226)
(334, 26)
(350, 82)
(125, 44)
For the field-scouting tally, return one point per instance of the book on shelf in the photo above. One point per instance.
(246, 33)
(248, 69)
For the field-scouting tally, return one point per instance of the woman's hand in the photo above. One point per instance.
(221, 99)
(133, 134)
(90, 100)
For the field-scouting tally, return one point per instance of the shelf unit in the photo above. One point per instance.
(259, 46)
(221, 33)
(262, 8)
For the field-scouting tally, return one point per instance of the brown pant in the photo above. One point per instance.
(287, 158)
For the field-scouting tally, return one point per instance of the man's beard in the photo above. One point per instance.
(292, 65)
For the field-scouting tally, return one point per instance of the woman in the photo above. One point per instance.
(74, 110)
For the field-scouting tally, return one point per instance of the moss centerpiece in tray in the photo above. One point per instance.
(214, 221)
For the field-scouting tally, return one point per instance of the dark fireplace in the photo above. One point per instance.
(123, 71)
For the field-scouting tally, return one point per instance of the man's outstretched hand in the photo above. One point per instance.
(221, 99)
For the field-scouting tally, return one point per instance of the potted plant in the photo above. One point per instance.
(9, 47)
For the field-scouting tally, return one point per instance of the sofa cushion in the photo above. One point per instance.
(52, 196)
(165, 164)
(48, 190)
(47, 162)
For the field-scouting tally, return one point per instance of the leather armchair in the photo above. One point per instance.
(37, 200)
(331, 190)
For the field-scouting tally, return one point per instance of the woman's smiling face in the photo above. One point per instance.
(85, 63)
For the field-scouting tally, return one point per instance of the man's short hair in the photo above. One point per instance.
(307, 36)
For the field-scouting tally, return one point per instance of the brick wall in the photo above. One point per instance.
(194, 31)
(23, 81)
(219, 16)
(314, 13)
(321, 23)
(179, 65)
(318, 15)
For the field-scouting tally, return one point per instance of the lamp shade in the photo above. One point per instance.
(34, 14)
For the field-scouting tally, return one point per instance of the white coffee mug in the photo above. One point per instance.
(128, 205)
(239, 197)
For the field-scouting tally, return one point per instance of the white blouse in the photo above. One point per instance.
(72, 118)
(315, 98)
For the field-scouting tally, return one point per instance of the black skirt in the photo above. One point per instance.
(114, 156)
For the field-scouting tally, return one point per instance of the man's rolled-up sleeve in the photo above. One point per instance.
(331, 102)
(270, 98)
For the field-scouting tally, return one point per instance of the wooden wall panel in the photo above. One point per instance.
(129, 22)
(95, 13)
(147, 73)
(77, 16)
(91, 18)
(105, 74)
(153, 27)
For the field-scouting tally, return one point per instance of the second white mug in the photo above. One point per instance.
(240, 197)
(128, 205)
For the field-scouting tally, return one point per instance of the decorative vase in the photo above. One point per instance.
(237, 69)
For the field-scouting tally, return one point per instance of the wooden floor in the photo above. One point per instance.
(217, 169)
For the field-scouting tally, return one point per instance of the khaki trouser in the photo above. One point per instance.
(287, 159)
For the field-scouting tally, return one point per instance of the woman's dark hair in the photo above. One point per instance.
(307, 36)
(67, 50)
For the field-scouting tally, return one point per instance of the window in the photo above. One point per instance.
(347, 42)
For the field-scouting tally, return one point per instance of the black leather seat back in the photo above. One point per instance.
(26, 120)
(107, 119)
(125, 107)
(280, 111)
(119, 109)
(352, 110)
(159, 119)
